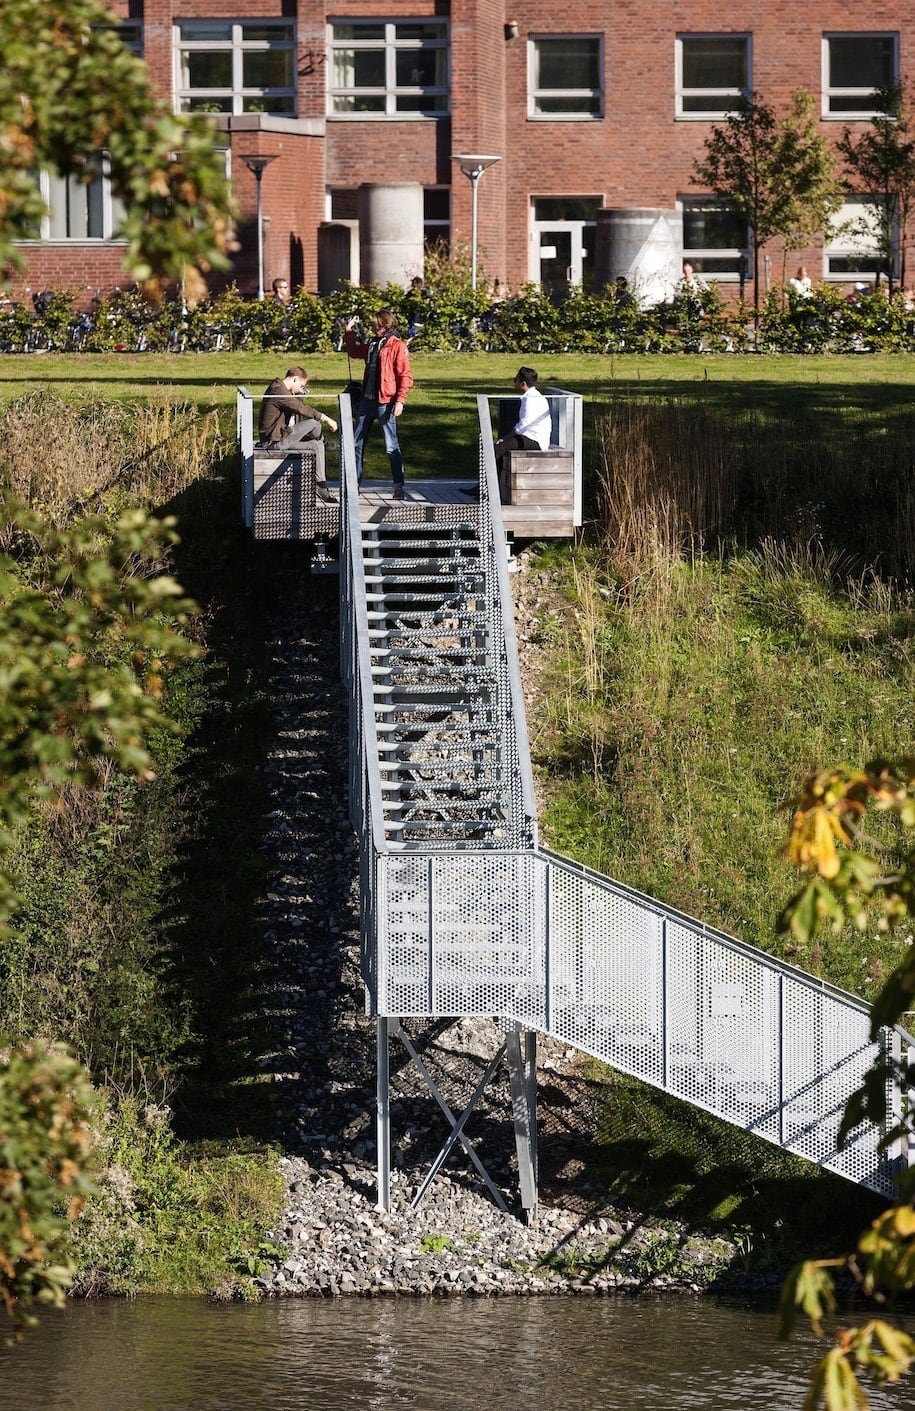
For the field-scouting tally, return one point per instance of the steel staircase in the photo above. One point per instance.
(444, 758)
(464, 914)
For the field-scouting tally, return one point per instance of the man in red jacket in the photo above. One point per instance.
(385, 385)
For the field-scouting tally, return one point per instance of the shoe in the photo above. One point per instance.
(397, 493)
(326, 496)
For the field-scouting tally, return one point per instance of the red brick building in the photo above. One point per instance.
(588, 107)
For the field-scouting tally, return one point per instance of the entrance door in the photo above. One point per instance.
(565, 252)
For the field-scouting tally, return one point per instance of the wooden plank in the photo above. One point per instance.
(553, 480)
(524, 528)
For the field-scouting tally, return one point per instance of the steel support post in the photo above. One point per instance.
(523, 1117)
(383, 1119)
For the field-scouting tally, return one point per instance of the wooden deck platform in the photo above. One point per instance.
(424, 501)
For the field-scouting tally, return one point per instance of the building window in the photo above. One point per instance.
(130, 34)
(79, 210)
(713, 74)
(715, 239)
(566, 76)
(389, 69)
(852, 248)
(854, 66)
(437, 217)
(244, 66)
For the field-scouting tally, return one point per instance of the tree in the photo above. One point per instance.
(881, 166)
(853, 879)
(69, 89)
(780, 176)
(84, 640)
(86, 635)
(45, 1137)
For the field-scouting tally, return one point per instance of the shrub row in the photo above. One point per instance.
(450, 316)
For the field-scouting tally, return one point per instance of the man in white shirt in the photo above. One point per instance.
(533, 428)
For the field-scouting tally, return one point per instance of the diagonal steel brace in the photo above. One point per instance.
(457, 1124)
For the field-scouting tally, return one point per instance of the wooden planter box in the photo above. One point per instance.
(538, 493)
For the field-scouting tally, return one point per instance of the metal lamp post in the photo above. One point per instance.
(257, 165)
(473, 167)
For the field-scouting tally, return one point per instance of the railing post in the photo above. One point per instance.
(547, 947)
(781, 1059)
(665, 1026)
(383, 1118)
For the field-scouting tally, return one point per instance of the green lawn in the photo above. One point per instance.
(438, 429)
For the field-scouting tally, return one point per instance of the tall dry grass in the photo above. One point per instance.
(63, 458)
(677, 477)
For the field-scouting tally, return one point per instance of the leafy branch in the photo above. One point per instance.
(829, 841)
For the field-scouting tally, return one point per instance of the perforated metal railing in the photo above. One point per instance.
(548, 945)
(365, 808)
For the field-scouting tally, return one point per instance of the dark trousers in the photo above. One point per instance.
(511, 442)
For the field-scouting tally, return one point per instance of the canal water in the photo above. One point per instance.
(538, 1354)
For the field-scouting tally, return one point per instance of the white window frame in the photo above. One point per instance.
(111, 211)
(839, 114)
(534, 94)
(849, 243)
(720, 110)
(391, 91)
(436, 228)
(698, 256)
(236, 45)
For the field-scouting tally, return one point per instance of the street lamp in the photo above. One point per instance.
(473, 167)
(257, 165)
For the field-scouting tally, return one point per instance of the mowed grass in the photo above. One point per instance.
(438, 430)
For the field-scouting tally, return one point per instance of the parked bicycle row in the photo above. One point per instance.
(456, 318)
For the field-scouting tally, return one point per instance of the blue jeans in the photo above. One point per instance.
(383, 412)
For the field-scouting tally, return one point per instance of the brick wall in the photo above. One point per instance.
(637, 154)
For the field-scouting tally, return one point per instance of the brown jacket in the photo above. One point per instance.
(277, 407)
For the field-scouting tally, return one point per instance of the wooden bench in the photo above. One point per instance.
(537, 489)
(285, 505)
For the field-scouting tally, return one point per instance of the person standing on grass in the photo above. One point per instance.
(385, 384)
(289, 424)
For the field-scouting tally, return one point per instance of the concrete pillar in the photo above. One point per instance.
(646, 245)
(390, 232)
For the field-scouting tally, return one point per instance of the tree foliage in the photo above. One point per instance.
(881, 167)
(86, 631)
(778, 173)
(86, 635)
(45, 1136)
(851, 878)
(69, 90)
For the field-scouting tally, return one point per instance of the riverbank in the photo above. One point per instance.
(321, 1059)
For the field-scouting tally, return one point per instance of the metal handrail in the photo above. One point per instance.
(354, 619)
(639, 985)
(489, 494)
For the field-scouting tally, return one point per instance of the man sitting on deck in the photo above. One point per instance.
(532, 430)
(287, 423)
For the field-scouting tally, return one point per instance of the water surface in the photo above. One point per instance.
(538, 1354)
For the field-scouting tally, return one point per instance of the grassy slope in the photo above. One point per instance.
(689, 771)
(446, 383)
